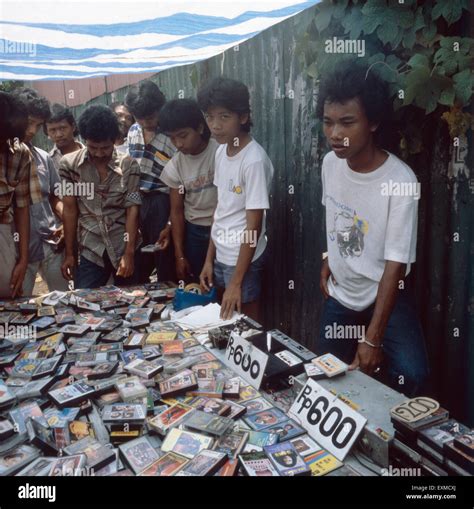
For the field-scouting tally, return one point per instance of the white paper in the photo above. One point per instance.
(207, 317)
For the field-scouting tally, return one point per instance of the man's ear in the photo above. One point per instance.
(244, 118)
(373, 127)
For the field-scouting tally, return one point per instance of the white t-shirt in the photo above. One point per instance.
(370, 218)
(196, 175)
(243, 183)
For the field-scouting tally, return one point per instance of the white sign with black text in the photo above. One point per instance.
(332, 423)
(246, 360)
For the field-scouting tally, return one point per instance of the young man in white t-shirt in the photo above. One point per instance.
(243, 174)
(190, 177)
(371, 199)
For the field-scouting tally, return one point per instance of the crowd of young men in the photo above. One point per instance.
(187, 177)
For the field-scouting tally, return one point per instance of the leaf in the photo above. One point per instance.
(340, 9)
(419, 22)
(429, 32)
(409, 38)
(387, 33)
(464, 84)
(323, 16)
(393, 61)
(451, 11)
(373, 8)
(450, 57)
(415, 83)
(378, 57)
(370, 24)
(404, 17)
(352, 23)
(447, 97)
(419, 60)
(398, 39)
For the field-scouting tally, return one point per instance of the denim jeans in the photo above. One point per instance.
(50, 270)
(196, 245)
(91, 275)
(252, 282)
(405, 364)
(154, 214)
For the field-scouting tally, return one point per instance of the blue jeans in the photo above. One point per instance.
(196, 245)
(405, 364)
(91, 275)
(252, 283)
(154, 214)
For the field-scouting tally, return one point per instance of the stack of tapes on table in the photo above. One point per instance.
(436, 444)
(95, 382)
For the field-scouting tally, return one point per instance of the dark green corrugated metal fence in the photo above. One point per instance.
(283, 105)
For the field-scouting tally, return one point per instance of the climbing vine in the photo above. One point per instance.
(415, 47)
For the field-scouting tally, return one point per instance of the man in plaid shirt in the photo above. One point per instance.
(152, 149)
(101, 196)
(19, 186)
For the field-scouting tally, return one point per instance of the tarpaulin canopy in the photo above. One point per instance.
(46, 40)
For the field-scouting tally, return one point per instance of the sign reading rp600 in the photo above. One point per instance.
(248, 361)
(332, 423)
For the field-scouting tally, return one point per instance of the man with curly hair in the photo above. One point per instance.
(101, 194)
(371, 234)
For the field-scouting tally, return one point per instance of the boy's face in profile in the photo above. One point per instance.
(187, 140)
(347, 128)
(149, 123)
(225, 125)
(19, 124)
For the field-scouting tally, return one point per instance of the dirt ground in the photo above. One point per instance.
(40, 287)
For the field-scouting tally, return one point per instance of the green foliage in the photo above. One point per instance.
(409, 43)
(10, 85)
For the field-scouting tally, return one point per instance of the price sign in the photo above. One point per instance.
(332, 423)
(415, 409)
(246, 360)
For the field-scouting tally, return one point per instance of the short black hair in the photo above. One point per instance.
(350, 80)
(182, 113)
(226, 93)
(59, 112)
(37, 105)
(144, 100)
(98, 123)
(13, 117)
(116, 104)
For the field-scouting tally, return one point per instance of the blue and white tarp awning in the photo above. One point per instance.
(44, 40)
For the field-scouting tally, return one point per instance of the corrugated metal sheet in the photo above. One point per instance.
(77, 92)
(284, 125)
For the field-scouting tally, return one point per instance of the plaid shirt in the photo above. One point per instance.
(151, 158)
(56, 154)
(102, 218)
(19, 182)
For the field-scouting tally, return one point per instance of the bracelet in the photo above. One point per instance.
(364, 340)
